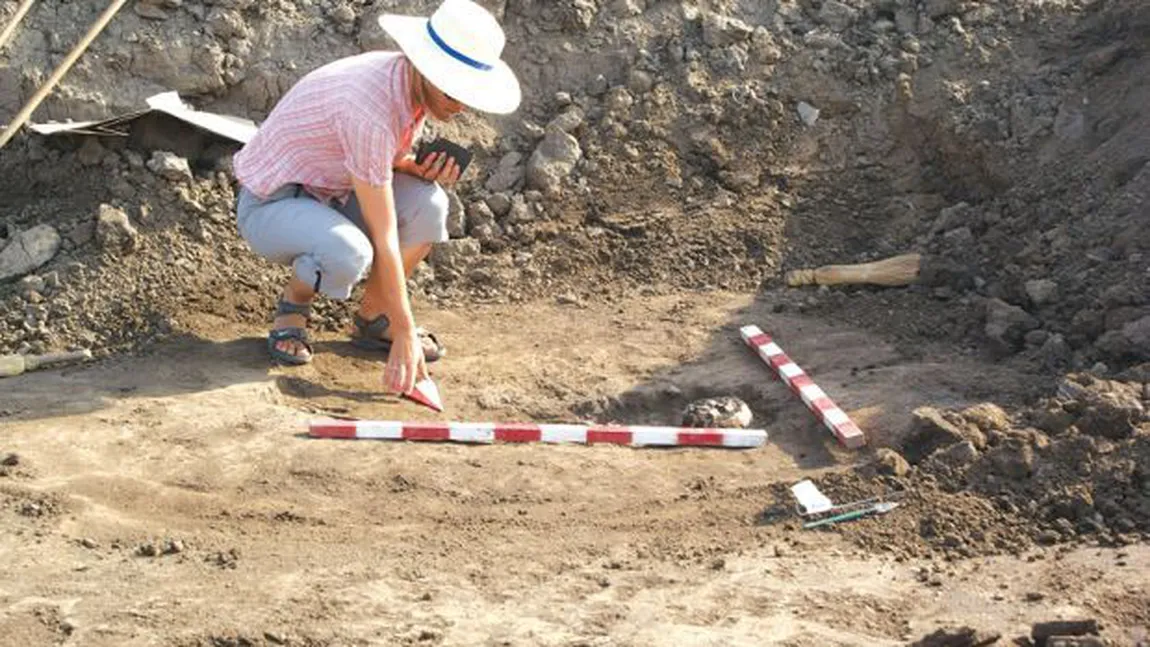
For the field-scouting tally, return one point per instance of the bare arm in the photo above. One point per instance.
(387, 285)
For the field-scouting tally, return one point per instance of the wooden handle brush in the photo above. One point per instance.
(894, 271)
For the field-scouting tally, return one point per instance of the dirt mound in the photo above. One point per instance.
(979, 483)
(661, 146)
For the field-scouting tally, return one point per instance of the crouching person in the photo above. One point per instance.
(330, 187)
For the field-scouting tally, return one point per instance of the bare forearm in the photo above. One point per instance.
(386, 284)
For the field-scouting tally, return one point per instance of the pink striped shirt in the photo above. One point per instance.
(350, 118)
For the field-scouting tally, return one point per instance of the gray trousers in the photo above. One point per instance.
(328, 244)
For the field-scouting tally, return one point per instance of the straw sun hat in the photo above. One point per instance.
(458, 51)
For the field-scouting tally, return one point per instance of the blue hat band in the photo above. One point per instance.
(456, 54)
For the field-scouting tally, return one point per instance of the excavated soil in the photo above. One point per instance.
(166, 494)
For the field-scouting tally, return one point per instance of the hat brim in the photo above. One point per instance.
(495, 90)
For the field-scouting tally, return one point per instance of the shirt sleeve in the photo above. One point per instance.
(368, 148)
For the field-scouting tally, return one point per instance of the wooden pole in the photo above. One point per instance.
(20, 11)
(60, 71)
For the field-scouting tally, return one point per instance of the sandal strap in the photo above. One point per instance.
(290, 333)
(284, 307)
(373, 329)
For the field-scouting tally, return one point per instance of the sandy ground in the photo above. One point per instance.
(268, 537)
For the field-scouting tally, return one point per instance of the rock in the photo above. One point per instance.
(456, 218)
(599, 86)
(619, 101)
(1137, 333)
(1075, 641)
(1013, 458)
(1041, 291)
(721, 31)
(173, 547)
(837, 15)
(891, 463)
(640, 82)
(454, 254)
(532, 130)
(567, 121)
(150, 11)
(552, 161)
(956, 215)
(479, 215)
(957, 455)
(1035, 338)
(936, 9)
(930, 431)
(568, 299)
(987, 417)
(1114, 414)
(630, 7)
(170, 166)
(343, 14)
(906, 19)
(520, 212)
(10, 459)
(89, 543)
(1052, 418)
(959, 637)
(115, 232)
(959, 238)
(507, 175)
(229, 23)
(719, 412)
(499, 203)
(28, 250)
(763, 46)
(579, 14)
(808, 113)
(1113, 344)
(1043, 631)
(32, 283)
(1055, 352)
(1101, 59)
(91, 152)
(1006, 325)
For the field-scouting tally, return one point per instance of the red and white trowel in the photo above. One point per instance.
(425, 392)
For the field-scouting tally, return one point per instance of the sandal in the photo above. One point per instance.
(368, 335)
(290, 333)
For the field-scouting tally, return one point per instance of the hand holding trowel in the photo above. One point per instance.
(406, 374)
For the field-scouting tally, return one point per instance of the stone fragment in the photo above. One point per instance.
(170, 166)
(836, 15)
(456, 217)
(567, 121)
(499, 203)
(553, 160)
(957, 455)
(1041, 291)
(808, 113)
(721, 31)
(114, 231)
(507, 174)
(891, 463)
(718, 412)
(28, 250)
(455, 254)
(1007, 324)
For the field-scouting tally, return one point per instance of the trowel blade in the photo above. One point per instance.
(425, 392)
